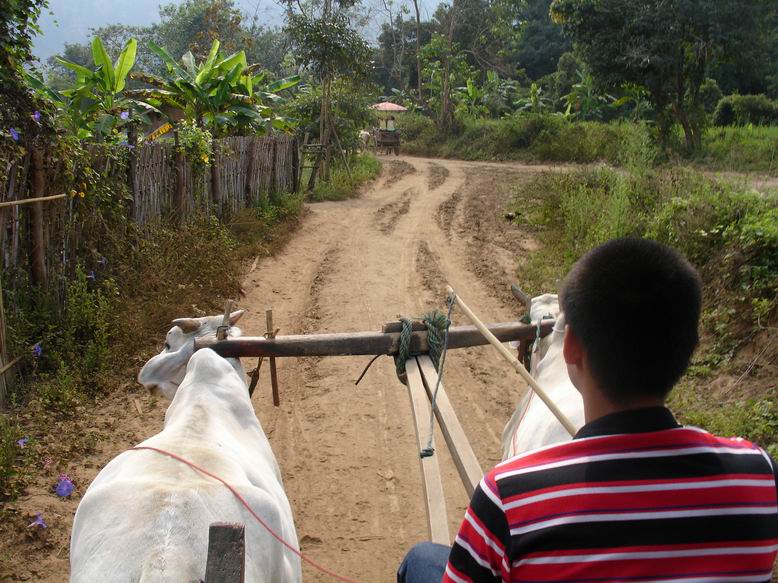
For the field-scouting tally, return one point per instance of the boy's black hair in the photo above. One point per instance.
(635, 306)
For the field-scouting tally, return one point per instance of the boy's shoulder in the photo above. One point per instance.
(620, 446)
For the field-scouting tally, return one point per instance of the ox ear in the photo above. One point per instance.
(187, 325)
(235, 316)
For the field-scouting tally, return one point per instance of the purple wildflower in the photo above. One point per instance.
(14, 134)
(64, 486)
(37, 350)
(125, 115)
(37, 116)
(38, 521)
(90, 276)
(22, 442)
(102, 261)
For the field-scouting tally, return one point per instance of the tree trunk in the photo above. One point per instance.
(418, 47)
(38, 250)
(446, 113)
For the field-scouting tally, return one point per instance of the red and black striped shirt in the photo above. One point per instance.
(634, 497)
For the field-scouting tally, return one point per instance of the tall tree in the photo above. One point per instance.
(326, 44)
(665, 46)
(531, 41)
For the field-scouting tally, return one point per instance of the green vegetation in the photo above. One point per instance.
(341, 185)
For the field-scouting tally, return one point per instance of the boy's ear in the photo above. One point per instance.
(572, 348)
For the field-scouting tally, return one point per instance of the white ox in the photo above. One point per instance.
(366, 140)
(532, 424)
(145, 517)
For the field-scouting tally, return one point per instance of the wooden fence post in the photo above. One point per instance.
(273, 162)
(216, 186)
(132, 167)
(179, 197)
(295, 165)
(250, 172)
(38, 250)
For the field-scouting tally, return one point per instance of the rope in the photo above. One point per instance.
(437, 330)
(258, 518)
(430, 449)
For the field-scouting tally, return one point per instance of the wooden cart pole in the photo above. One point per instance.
(226, 562)
(273, 374)
(518, 367)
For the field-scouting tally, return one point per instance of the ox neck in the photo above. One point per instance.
(237, 365)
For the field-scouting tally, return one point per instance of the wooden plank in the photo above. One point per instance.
(434, 499)
(226, 553)
(271, 333)
(363, 343)
(464, 458)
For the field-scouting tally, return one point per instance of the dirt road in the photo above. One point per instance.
(348, 454)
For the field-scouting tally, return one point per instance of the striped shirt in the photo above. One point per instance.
(634, 497)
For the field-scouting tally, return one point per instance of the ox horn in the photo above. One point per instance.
(520, 295)
(235, 316)
(187, 325)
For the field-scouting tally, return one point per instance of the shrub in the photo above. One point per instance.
(745, 109)
(710, 94)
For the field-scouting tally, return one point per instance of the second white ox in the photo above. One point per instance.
(532, 424)
(145, 517)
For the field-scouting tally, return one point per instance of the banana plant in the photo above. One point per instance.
(536, 102)
(583, 101)
(218, 93)
(94, 105)
(470, 100)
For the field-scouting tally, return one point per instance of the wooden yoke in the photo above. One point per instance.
(364, 343)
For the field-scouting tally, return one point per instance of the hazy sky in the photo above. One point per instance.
(70, 20)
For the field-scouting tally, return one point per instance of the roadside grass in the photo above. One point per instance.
(551, 138)
(728, 231)
(114, 319)
(341, 185)
(741, 149)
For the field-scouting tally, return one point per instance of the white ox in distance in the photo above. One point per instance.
(145, 517)
(532, 424)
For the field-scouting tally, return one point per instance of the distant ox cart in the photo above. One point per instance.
(211, 435)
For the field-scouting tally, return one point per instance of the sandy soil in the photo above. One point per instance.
(348, 454)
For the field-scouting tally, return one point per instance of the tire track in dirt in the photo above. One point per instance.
(446, 211)
(437, 176)
(388, 215)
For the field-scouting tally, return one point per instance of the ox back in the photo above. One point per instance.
(145, 517)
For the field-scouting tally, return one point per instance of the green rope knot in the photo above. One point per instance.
(436, 323)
